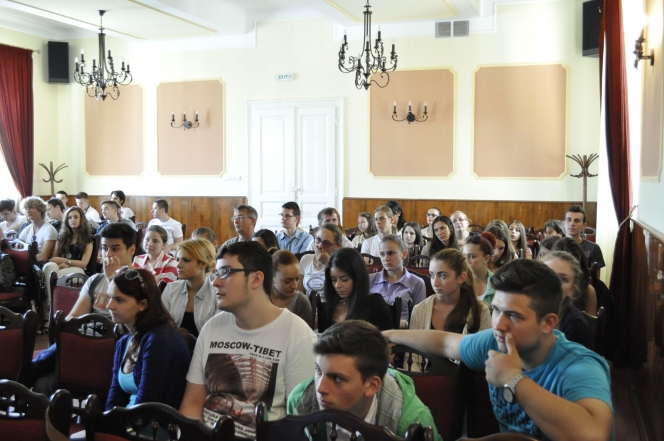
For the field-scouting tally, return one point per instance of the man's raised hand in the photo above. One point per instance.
(501, 368)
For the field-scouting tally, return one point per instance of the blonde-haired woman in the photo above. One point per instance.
(38, 230)
(191, 300)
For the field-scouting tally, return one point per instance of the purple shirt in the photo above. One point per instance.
(408, 287)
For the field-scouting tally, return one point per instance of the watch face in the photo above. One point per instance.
(508, 395)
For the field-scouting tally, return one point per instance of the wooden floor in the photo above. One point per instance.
(631, 390)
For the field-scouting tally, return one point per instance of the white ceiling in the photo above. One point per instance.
(158, 20)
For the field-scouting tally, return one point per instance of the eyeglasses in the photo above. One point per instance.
(226, 271)
(326, 243)
(132, 274)
(287, 216)
(431, 215)
(240, 218)
(460, 220)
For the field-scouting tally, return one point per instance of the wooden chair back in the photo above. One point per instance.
(145, 421)
(17, 340)
(23, 412)
(480, 419)
(299, 255)
(371, 260)
(64, 295)
(505, 436)
(476, 228)
(425, 278)
(293, 427)
(419, 262)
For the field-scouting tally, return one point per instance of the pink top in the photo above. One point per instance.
(165, 270)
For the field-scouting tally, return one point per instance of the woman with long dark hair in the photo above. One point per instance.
(478, 250)
(152, 360)
(412, 238)
(443, 237)
(367, 228)
(519, 239)
(503, 251)
(267, 238)
(587, 299)
(347, 293)
(398, 220)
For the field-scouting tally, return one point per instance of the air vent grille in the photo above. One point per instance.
(443, 29)
(461, 28)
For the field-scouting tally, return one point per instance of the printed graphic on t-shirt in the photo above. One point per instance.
(316, 281)
(511, 417)
(238, 381)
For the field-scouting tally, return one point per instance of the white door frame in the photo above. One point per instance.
(338, 103)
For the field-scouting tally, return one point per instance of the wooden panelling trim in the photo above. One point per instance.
(530, 213)
(214, 212)
(655, 232)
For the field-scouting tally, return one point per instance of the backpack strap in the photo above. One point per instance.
(93, 286)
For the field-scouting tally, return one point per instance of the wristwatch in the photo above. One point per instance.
(509, 390)
(68, 262)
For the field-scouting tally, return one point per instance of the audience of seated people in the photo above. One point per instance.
(162, 266)
(118, 196)
(55, 210)
(244, 220)
(267, 238)
(478, 251)
(152, 359)
(519, 239)
(292, 238)
(366, 228)
(443, 237)
(92, 215)
(312, 266)
(461, 222)
(394, 280)
(190, 300)
(352, 375)
(271, 342)
(412, 238)
(454, 307)
(347, 294)
(11, 221)
(432, 213)
(173, 228)
(284, 293)
(112, 213)
(238, 312)
(383, 217)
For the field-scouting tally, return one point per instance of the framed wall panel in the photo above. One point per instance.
(520, 122)
(197, 151)
(114, 134)
(419, 149)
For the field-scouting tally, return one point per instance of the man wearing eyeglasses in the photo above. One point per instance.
(291, 237)
(252, 351)
(244, 220)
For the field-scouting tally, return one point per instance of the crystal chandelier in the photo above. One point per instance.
(374, 61)
(102, 76)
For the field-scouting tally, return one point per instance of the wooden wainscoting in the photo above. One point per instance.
(530, 213)
(195, 211)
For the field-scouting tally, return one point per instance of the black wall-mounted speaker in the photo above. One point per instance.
(591, 18)
(58, 62)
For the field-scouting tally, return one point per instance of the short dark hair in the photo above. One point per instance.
(533, 279)
(577, 209)
(292, 206)
(119, 230)
(358, 339)
(268, 237)
(111, 203)
(206, 232)
(55, 202)
(556, 225)
(62, 192)
(549, 242)
(249, 209)
(161, 203)
(7, 204)
(396, 209)
(328, 211)
(253, 256)
(82, 195)
(120, 194)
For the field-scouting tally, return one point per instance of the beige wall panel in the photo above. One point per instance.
(520, 121)
(197, 151)
(419, 149)
(651, 135)
(114, 134)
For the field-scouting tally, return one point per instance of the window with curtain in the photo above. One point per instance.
(7, 188)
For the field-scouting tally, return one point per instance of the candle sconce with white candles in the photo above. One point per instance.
(185, 124)
(410, 117)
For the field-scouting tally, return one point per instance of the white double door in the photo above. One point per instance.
(294, 155)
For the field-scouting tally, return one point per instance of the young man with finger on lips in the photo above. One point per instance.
(352, 376)
(539, 382)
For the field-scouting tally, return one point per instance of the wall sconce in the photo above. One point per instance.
(185, 124)
(410, 117)
(638, 46)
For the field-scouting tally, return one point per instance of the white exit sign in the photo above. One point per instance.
(286, 77)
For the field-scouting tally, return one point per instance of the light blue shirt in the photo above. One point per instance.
(297, 243)
(175, 300)
(408, 287)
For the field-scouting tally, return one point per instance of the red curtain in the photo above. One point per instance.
(17, 116)
(612, 53)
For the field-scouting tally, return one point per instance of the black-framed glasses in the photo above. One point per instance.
(287, 216)
(326, 243)
(226, 271)
(431, 215)
(240, 218)
(132, 274)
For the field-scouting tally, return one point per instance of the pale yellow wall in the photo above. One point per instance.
(542, 32)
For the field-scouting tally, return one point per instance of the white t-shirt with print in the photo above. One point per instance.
(173, 228)
(312, 278)
(242, 367)
(46, 232)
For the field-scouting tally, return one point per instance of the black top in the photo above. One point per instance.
(376, 312)
(189, 324)
(593, 253)
(74, 251)
(576, 328)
